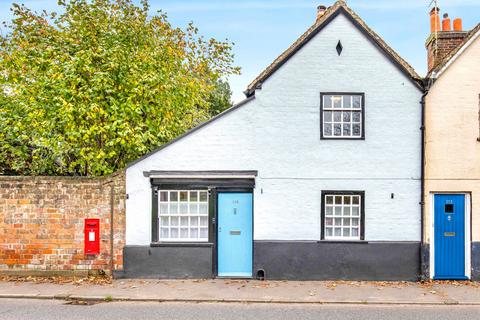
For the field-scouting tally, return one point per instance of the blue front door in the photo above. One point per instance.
(235, 239)
(449, 226)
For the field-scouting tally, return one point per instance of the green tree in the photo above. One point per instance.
(220, 97)
(87, 91)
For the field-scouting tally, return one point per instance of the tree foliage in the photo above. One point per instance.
(86, 91)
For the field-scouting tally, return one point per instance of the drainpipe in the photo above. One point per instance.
(426, 86)
(112, 206)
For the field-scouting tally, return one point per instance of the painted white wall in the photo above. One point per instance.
(278, 134)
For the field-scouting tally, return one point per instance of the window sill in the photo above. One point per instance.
(344, 241)
(181, 244)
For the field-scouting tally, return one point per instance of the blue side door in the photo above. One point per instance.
(235, 238)
(449, 226)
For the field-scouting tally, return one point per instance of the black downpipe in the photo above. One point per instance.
(422, 188)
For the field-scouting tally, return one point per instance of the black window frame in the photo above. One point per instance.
(362, 132)
(362, 212)
(212, 186)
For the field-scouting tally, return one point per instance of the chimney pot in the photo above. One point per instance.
(321, 11)
(446, 24)
(434, 20)
(457, 24)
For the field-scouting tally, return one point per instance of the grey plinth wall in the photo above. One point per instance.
(334, 261)
(171, 262)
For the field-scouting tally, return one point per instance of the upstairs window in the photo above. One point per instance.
(342, 115)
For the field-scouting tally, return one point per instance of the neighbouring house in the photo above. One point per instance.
(315, 175)
(452, 152)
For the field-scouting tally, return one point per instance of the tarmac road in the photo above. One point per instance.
(16, 309)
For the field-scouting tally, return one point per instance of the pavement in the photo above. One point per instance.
(253, 291)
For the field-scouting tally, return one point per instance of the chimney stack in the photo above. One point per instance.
(321, 11)
(442, 39)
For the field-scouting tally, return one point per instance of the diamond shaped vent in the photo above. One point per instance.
(339, 47)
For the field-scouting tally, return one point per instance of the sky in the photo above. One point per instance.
(263, 29)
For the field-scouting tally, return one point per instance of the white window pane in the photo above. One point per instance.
(354, 232)
(328, 221)
(203, 208)
(184, 233)
(173, 196)
(183, 196)
(203, 233)
(356, 116)
(203, 196)
(203, 221)
(347, 101)
(346, 222)
(164, 222)
(337, 101)
(193, 196)
(356, 200)
(328, 232)
(346, 211)
(163, 196)
(194, 221)
(193, 208)
(173, 208)
(346, 232)
(174, 233)
(327, 101)
(357, 102)
(355, 211)
(183, 208)
(174, 221)
(327, 129)
(337, 232)
(347, 130)
(346, 116)
(329, 211)
(337, 116)
(194, 233)
(338, 221)
(184, 222)
(356, 130)
(163, 208)
(355, 222)
(327, 116)
(338, 211)
(164, 233)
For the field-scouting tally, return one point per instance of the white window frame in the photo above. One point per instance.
(341, 109)
(179, 215)
(343, 215)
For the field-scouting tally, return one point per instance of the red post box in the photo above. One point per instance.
(92, 236)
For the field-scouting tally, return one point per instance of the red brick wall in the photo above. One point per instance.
(42, 222)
